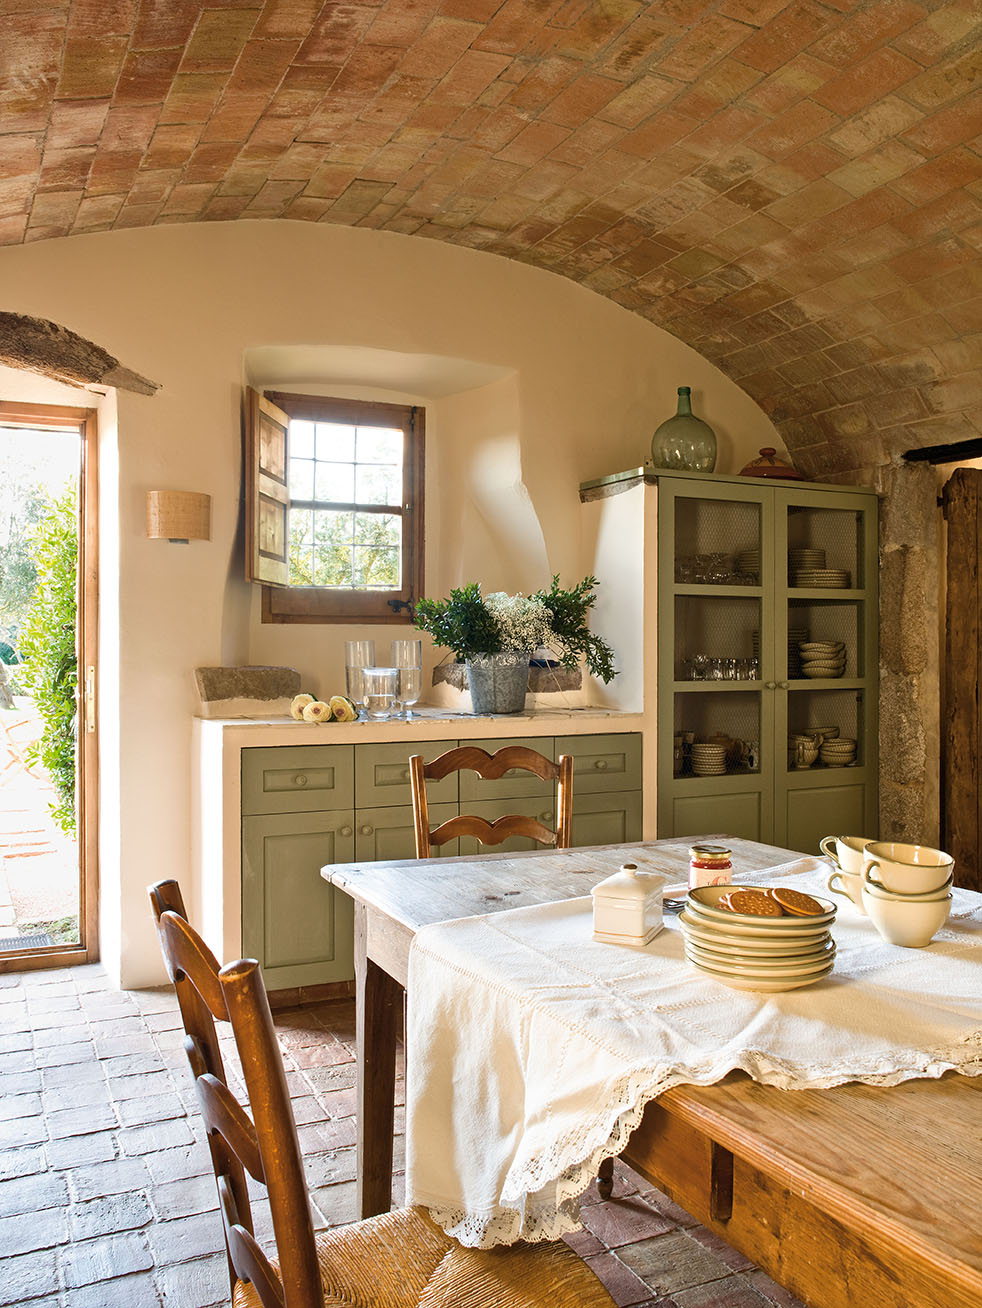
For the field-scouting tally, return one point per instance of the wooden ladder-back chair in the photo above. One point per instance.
(491, 767)
(397, 1260)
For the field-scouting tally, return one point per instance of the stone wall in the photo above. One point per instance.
(910, 631)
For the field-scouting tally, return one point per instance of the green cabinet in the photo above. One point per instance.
(306, 806)
(767, 642)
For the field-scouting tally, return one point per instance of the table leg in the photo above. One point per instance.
(378, 1008)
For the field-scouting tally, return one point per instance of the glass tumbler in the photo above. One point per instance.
(358, 655)
(407, 656)
(380, 687)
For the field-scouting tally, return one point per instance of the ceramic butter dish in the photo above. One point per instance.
(627, 907)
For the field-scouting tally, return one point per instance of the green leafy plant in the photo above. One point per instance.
(558, 619)
(47, 643)
(570, 638)
(463, 623)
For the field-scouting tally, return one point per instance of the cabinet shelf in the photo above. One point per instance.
(701, 687)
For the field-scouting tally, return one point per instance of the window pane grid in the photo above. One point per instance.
(346, 506)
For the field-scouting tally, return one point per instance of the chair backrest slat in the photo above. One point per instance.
(491, 767)
(266, 1144)
(225, 1115)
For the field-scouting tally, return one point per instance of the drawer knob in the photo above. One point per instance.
(601, 765)
(300, 779)
(405, 774)
(344, 831)
(366, 831)
(546, 817)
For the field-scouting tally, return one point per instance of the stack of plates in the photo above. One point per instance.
(820, 578)
(804, 556)
(838, 753)
(747, 562)
(708, 760)
(822, 658)
(756, 953)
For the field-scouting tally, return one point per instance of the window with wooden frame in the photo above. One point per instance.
(334, 507)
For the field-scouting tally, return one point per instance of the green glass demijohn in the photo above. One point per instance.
(684, 441)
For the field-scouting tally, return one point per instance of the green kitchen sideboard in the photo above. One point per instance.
(305, 806)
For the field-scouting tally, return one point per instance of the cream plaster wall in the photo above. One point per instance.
(582, 384)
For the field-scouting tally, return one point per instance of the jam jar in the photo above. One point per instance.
(709, 865)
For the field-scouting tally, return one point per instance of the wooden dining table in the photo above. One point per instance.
(857, 1195)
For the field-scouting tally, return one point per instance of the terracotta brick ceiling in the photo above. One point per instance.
(794, 189)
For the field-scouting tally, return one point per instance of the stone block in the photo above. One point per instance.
(246, 692)
(906, 625)
(909, 506)
(902, 744)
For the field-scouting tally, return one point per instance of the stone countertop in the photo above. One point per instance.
(425, 724)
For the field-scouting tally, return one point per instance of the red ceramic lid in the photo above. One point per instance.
(769, 466)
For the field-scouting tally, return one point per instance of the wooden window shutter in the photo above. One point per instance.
(267, 491)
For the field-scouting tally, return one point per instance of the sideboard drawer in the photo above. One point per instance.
(382, 774)
(603, 762)
(298, 779)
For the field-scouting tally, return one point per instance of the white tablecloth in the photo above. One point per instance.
(533, 1049)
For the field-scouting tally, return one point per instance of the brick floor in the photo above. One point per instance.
(106, 1194)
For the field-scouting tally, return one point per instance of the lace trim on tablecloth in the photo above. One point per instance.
(555, 1213)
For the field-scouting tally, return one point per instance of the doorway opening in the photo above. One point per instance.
(48, 793)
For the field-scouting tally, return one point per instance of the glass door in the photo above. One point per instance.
(715, 656)
(825, 654)
(48, 883)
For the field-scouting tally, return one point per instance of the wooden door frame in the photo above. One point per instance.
(84, 421)
(961, 720)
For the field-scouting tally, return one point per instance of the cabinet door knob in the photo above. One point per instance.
(770, 685)
(300, 779)
(601, 765)
(344, 831)
(785, 685)
(366, 831)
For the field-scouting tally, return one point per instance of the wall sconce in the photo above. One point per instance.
(178, 516)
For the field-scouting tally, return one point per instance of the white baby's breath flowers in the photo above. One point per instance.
(523, 621)
(317, 711)
(300, 702)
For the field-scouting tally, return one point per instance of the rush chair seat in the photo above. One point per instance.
(397, 1260)
(491, 767)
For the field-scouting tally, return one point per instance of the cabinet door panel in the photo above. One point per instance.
(603, 762)
(737, 814)
(607, 819)
(514, 784)
(388, 833)
(297, 778)
(382, 773)
(293, 921)
(831, 810)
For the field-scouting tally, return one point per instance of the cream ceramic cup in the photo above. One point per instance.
(870, 884)
(909, 922)
(908, 869)
(844, 883)
(846, 851)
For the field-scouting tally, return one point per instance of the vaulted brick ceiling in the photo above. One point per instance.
(794, 189)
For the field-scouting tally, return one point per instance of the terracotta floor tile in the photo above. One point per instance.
(106, 1194)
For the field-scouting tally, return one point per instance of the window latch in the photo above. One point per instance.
(401, 605)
